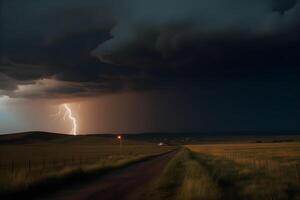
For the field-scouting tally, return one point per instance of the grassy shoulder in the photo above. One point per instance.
(185, 178)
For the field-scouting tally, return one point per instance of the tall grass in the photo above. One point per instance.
(172, 176)
(198, 176)
(197, 183)
(246, 180)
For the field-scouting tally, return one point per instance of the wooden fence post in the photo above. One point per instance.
(298, 172)
(44, 164)
(29, 165)
(12, 167)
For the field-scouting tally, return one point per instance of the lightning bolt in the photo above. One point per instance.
(71, 117)
(67, 113)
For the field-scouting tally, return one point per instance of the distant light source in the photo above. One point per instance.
(119, 137)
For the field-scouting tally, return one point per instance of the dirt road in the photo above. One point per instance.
(127, 183)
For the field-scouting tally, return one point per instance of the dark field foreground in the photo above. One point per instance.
(128, 183)
(94, 167)
(31, 159)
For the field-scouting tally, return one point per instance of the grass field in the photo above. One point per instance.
(30, 158)
(253, 171)
(247, 171)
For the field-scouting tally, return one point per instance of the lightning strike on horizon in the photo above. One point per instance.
(71, 117)
(68, 113)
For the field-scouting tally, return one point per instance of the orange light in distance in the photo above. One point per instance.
(119, 137)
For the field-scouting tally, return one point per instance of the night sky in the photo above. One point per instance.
(150, 66)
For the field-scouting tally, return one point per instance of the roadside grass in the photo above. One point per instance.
(184, 178)
(172, 176)
(197, 183)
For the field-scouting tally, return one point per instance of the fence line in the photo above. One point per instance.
(265, 164)
(28, 166)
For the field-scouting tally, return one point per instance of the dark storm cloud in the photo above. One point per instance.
(7, 83)
(182, 33)
(283, 6)
(98, 47)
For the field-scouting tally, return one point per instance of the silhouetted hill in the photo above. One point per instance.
(28, 137)
(215, 137)
(172, 138)
(36, 137)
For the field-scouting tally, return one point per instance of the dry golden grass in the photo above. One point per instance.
(24, 164)
(276, 157)
(184, 178)
(279, 151)
(255, 171)
(197, 183)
